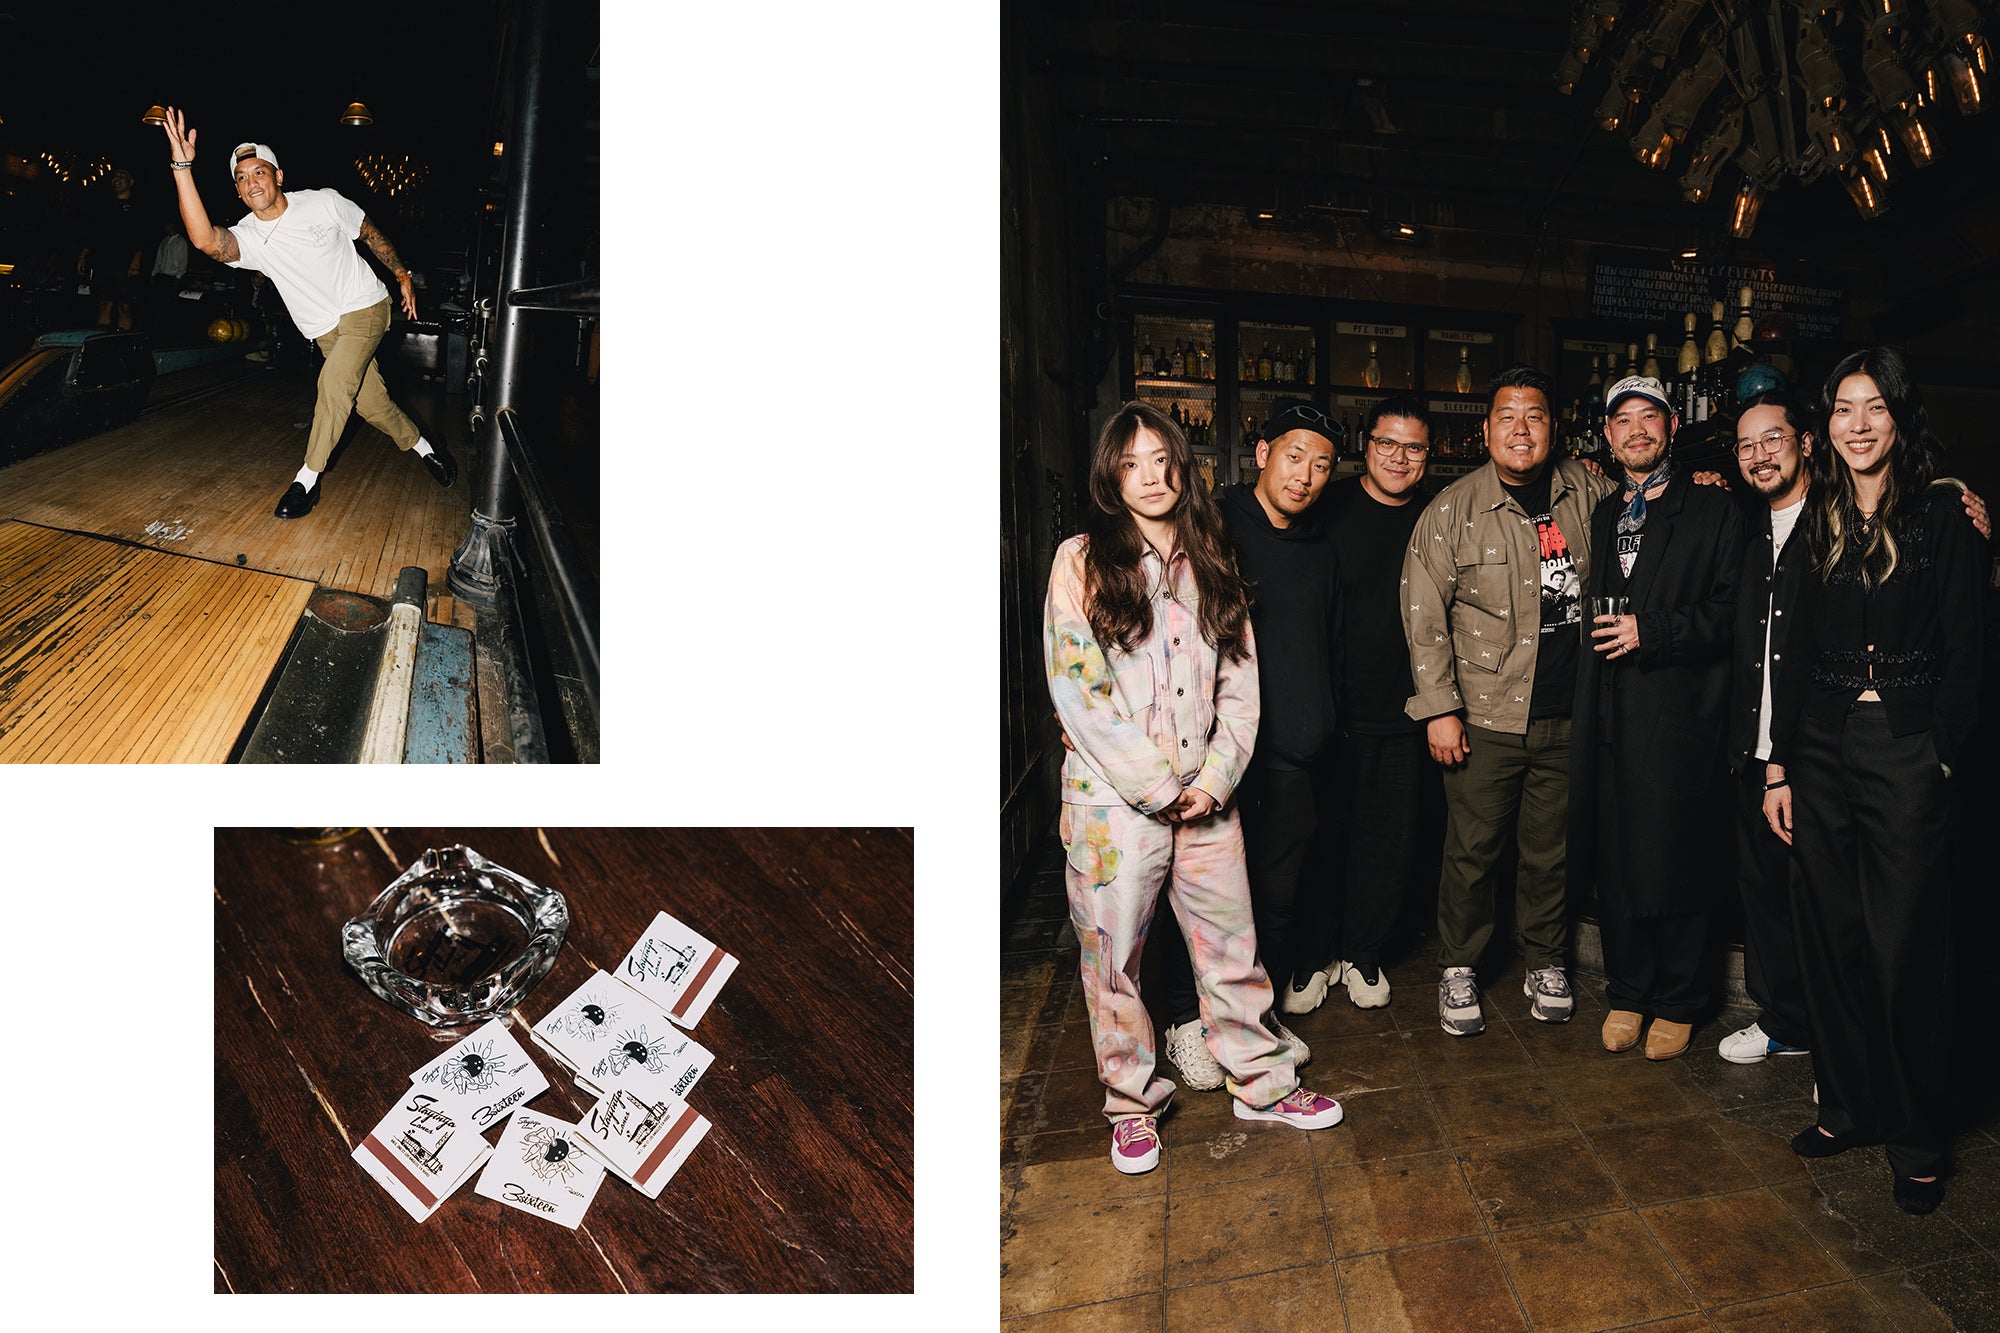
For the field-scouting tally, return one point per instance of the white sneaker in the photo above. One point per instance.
(1458, 1003)
(1296, 999)
(1364, 995)
(1749, 1046)
(1301, 1053)
(1187, 1047)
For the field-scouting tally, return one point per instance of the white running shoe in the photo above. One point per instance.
(1296, 999)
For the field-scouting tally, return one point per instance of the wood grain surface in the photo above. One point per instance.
(803, 1185)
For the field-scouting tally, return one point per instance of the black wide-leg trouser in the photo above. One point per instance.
(1870, 823)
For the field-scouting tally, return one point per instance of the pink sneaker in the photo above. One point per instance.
(1302, 1110)
(1135, 1144)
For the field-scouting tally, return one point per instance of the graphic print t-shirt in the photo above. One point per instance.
(1562, 605)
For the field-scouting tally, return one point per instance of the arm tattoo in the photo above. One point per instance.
(378, 245)
(224, 250)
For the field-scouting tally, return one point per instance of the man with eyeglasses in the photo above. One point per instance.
(1286, 795)
(1379, 760)
(1647, 743)
(1494, 666)
(304, 243)
(1774, 441)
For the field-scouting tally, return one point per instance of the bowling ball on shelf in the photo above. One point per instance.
(219, 330)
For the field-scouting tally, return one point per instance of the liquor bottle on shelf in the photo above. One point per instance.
(1464, 380)
(1178, 367)
(1144, 366)
(1745, 330)
(1280, 371)
(1202, 370)
(1311, 362)
(1718, 343)
(1264, 363)
(1371, 374)
(1249, 364)
(1651, 369)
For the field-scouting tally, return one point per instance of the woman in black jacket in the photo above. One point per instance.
(1871, 718)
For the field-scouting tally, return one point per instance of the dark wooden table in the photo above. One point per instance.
(803, 1185)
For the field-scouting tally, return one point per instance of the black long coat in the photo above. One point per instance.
(1648, 787)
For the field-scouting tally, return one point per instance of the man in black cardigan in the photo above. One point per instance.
(1650, 702)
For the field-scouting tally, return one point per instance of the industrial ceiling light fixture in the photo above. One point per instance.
(1854, 75)
(356, 114)
(155, 115)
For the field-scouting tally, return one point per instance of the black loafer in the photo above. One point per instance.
(298, 501)
(1918, 1197)
(1812, 1143)
(441, 466)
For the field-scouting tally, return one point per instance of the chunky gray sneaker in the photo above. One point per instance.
(1301, 1053)
(1548, 990)
(1297, 999)
(1458, 1003)
(1187, 1047)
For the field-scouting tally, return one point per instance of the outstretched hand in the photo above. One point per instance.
(179, 138)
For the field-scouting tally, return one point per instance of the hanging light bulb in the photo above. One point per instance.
(1870, 199)
(356, 114)
(1830, 132)
(1875, 154)
(1916, 137)
(1743, 216)
(1715, 150)
(1965, 85)
(1611, 110)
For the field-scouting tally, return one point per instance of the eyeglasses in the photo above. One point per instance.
(1387, 447)
(1770, 442)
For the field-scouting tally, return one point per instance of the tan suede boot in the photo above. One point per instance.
(1621, 1030)
(1665, 1040)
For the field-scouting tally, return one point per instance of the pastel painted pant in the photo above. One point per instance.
(1118, 862)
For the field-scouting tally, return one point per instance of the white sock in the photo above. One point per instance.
(421, 448)
(307, 478)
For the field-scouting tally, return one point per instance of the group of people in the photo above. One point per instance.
(1252, 684)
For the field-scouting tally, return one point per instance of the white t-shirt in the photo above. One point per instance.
(309, 255)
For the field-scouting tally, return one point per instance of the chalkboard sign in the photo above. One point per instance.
(1646, 289)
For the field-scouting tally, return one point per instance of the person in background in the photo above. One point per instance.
(1153, 673)
(1286, 798)
(1493, 655)
(1871, 720)
(114, 254)
(1648, 731)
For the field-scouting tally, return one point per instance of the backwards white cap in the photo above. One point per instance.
(244, 150)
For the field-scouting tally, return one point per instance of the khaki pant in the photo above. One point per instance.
(1507, 784)
(349, 381)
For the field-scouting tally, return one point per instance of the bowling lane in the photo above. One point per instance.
(200, 471)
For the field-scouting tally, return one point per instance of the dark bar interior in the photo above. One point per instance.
(1213, 209)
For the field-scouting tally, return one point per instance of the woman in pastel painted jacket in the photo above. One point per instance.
(1154, 678)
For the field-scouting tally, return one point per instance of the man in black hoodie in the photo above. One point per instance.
(1286, 797)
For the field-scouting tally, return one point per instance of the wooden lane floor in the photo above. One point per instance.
(115, 653)
(200, 477)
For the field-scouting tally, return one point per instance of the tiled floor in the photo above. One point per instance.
(1522, 1179)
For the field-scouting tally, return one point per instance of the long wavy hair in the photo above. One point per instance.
(1114, 573)
(1834, 524)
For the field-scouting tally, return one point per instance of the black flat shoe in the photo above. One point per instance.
(1919, 1196)
(442, 467)
(1812, 1143)
(298, 501)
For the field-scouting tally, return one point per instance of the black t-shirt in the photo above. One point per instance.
(1371, 539)
(1562, 605)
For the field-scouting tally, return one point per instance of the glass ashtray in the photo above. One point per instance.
(456, 939)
